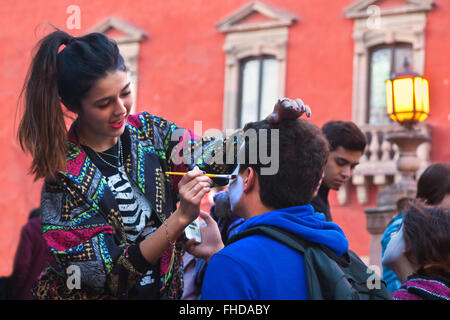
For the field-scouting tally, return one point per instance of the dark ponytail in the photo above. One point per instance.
(60, 76)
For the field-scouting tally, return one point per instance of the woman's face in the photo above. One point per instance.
(236, 189)
(105, 110)
(394, 248)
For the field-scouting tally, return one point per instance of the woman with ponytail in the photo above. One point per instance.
(109, 212)
(419, 253)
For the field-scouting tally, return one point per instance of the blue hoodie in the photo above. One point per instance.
(260, 268)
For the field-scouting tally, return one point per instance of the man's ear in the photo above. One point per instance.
(250, 179)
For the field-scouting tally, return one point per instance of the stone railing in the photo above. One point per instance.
(378, 163)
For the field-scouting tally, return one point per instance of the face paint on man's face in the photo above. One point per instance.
(236, 189)
(395, 247)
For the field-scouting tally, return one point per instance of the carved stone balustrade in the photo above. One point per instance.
(378, 163)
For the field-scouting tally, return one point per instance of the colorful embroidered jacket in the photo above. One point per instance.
(83, 225)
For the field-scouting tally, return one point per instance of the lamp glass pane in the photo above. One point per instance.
(426, 97)
(421, 96)
(403, 98)
(421, 117)
(418, 92)
(389, 106)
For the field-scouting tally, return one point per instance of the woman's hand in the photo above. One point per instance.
(211, 239)
(192, 187)
(287, 109)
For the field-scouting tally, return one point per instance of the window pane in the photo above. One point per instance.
(249, 102)
(269, 92)
(380, 70)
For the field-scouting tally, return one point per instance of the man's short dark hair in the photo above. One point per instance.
(344, 134)
(303, 152)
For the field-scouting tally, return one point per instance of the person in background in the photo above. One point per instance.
(258, 267)
(228, 223)
(347, 143)
(108, 207)
(433, 188)
(31, 257)
(419, 253)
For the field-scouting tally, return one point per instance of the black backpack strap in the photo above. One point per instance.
(291, 240)
(285, 237)
(323, 276)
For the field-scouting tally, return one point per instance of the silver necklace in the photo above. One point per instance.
(108, 154)
(120, 155)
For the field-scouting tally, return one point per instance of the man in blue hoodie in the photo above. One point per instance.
(257, 267)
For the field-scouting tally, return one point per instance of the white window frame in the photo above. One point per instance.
(373, 27)
(244, 40)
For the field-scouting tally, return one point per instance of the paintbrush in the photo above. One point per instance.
(219, 176)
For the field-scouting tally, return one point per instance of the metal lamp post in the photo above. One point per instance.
(407, 102)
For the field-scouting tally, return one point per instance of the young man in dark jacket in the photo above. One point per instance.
(257, 267)
(346, 143)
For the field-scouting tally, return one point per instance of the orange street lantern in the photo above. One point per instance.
(407, 97)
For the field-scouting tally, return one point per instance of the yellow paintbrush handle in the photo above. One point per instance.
(225, 176)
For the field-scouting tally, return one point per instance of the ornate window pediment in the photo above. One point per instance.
(383, 24)
(360, 10)
(256, 16)
(128, 38)
(254, 31)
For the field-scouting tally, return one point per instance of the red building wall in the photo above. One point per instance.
(181, 78)
(437, 69)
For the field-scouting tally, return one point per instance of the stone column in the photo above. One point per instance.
(407, 165)
(377, 221)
